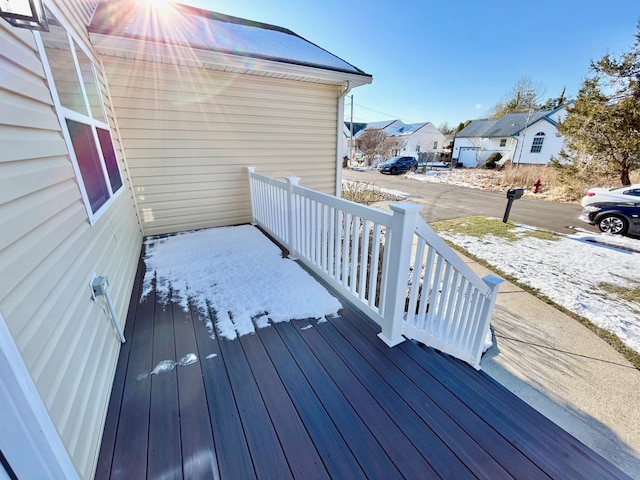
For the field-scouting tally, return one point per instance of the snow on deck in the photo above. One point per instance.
(236, 272)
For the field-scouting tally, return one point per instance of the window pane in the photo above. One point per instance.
(536, 145)
(110, 160)
(90, 86)
(89, 162)
(56, 44)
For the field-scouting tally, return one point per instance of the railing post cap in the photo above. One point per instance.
(251, 169)
(405, 207)
(293, 180)
(492, 280)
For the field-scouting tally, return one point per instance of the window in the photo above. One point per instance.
(503, 142)
(538, 140)
(78, 101)
(435, 145)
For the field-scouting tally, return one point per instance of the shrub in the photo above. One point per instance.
(365, 193)
(492, 160)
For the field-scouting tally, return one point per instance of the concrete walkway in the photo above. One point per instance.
(566, 372)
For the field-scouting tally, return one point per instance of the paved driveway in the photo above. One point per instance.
(443, 202)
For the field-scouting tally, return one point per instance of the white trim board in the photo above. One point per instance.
(28, 438)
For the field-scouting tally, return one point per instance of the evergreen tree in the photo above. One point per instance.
(602, 127)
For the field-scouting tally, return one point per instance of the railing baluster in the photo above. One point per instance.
(364, 260)
(338, 226)
(453, 294)
(331, 236)
(355, 254)
(415, 282)
(442, 299)
(373, 273)
(346, 251)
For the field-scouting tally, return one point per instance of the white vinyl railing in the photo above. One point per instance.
(393, 266)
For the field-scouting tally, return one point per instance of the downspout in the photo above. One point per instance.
(340, 122)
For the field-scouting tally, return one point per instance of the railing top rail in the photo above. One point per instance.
(267, 179)
(424, 231)
(368, 213)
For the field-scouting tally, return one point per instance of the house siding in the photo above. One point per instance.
(424, 138)
(189, 133)
(49, 251)
(550, 147)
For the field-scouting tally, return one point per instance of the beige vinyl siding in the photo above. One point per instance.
(189, 133)
(48, 252)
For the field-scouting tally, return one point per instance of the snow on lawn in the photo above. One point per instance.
(580, 275)
(460, 178)
(238, 273)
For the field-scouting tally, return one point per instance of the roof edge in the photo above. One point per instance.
(148, 50)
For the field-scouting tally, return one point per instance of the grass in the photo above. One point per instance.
(552, 189)
(480, 226)
(630, 294)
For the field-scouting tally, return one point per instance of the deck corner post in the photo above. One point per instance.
(398, 250)
(493, 283)
(292, 217)
(250, 172)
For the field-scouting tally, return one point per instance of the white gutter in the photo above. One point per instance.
(339, 141)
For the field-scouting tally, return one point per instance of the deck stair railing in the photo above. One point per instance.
(392, 266)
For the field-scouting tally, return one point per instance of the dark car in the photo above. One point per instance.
(398, 165)
(622, 218)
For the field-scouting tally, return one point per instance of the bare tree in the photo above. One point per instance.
(478, 149)
(524, 95)
(391, 146)
(371, 142)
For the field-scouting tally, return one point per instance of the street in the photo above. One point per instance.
(443, 202)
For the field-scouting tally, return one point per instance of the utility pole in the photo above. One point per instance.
(351, 133)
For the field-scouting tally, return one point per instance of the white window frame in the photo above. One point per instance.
(65, 113)
(538, 136)
(503, 142)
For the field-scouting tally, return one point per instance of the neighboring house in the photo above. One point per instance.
(522, 138)
(119, 122)
(414, 139)
(419, 138)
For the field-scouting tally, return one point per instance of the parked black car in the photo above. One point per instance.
(398, 165)
(613, 217)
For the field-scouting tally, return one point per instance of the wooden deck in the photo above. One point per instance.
(314, 400)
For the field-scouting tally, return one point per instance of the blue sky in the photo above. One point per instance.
(451, 61)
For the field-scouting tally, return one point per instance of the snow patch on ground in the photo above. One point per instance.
(236, 272)
(572, 272)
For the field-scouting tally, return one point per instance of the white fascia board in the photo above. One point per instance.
(181, 55)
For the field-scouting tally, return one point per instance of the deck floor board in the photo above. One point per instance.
(196, 437)
(302, 456)
(316, 400)
(164, 457)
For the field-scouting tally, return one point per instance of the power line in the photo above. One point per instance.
(388, 115)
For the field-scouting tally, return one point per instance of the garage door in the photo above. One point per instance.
(468, 156)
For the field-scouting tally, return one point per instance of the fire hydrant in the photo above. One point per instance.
(536, 186)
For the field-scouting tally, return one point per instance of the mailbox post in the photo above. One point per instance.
(512, 194)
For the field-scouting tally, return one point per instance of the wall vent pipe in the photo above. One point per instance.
(100, 287)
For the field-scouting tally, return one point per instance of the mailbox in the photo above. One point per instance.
(512, 194)
(515, 193)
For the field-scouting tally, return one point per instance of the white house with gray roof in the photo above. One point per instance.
(415, 138)
(522, 138)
